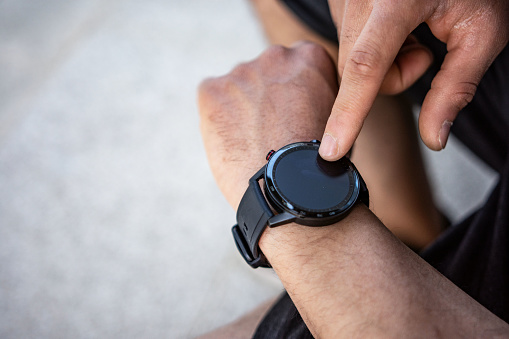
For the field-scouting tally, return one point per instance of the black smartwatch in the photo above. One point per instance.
(299, 187)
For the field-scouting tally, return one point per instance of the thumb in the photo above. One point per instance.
(451, 90)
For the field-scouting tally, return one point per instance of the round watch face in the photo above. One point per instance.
(299, 181)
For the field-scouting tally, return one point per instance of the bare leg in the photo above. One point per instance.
(283, 28)
(243, 327)
(388, 156)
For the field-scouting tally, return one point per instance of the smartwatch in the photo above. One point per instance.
(299, 187)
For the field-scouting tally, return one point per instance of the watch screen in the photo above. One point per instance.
(305, 180)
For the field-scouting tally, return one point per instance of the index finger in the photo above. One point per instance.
(366, 65)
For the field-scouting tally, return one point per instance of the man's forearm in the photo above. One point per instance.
(354, 278)
(349, 279)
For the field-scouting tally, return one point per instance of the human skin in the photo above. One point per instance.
(386, 151)
(373, 58)
(350, 279)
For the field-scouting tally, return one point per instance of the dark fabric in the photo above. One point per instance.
(475, 253)
(316, 15)
(283, 321)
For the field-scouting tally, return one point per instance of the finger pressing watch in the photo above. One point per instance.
(299, 187)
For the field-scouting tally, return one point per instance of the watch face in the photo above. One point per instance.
(298, 180)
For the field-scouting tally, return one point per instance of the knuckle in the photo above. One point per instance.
(205, 91)
(318, 54)
(311, 49)
(223, 86)
(314, 57)
(274, 57)
(206, 86)
(212, 87)
(212, 93)
(464, 94)
(363, 60)
(242, 72)
(274, 52)
(458, 95)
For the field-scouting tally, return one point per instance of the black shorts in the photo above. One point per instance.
(475, 253)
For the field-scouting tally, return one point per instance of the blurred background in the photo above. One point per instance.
(111, 224)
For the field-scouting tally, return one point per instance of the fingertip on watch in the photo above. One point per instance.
(329, 148)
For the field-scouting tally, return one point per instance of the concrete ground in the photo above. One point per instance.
(111, 225)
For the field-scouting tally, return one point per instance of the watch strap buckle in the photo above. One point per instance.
(243, 247)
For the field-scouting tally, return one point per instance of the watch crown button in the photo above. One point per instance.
(270, 154)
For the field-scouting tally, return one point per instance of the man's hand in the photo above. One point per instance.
(352, 278)
(284, 96)
(377, 55)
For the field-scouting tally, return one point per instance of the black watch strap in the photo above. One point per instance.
(252, 216)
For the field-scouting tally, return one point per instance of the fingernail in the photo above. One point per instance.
(328, 147)
(444, 133)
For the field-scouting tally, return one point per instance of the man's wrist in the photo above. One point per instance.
(319, 265)
(297, 244)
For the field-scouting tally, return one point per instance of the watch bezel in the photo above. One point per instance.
(303, 215)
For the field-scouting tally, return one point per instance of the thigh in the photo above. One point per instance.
(284, 27)
(244, 327)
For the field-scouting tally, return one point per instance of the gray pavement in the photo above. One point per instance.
(111, 225)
